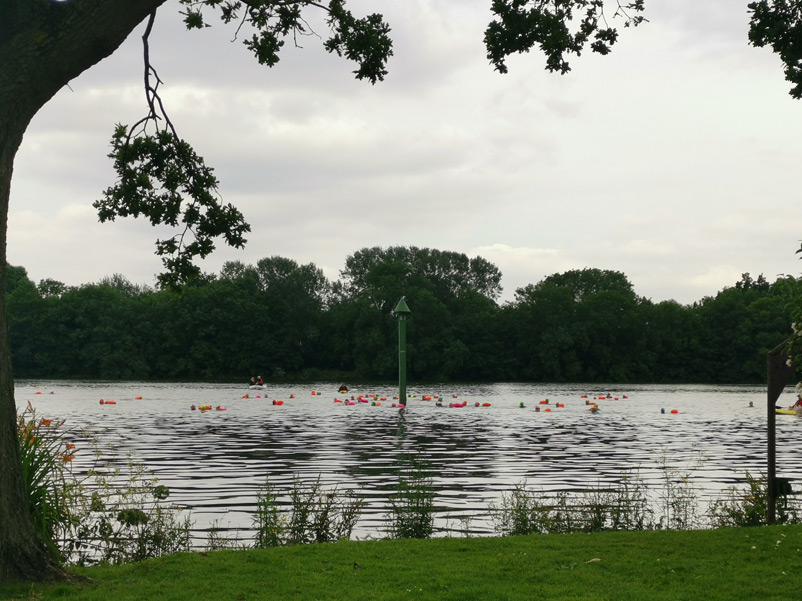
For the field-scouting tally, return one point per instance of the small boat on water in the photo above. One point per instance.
(779, 411)
(257, 387)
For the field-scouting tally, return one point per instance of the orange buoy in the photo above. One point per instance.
(244, 396)
(674, 411)
(138, 398)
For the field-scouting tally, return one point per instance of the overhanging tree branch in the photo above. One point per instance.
(162, 178)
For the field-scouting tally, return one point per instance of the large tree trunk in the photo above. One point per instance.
(22, 555)
(43, 45)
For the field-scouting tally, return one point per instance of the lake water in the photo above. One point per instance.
(215, 462)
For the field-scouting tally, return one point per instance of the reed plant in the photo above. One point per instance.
(748, 506)
(678, 498)
(101, 516)
(412, 506)
(525, 510)
(218, 538)
(316, 515)
(268, 521)
(126, 518)
(520, 512)
(51, 489)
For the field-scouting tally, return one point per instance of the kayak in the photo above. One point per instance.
(257, 387)
(785, 412)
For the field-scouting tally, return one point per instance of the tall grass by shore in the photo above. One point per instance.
(724, 564)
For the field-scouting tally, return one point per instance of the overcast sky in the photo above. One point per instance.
(675, 160)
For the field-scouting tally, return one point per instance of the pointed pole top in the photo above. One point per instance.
(401, 307)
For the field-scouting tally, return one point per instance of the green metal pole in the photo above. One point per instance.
(402, 311)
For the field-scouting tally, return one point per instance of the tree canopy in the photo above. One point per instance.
(310, 328)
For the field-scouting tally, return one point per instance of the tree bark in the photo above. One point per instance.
(43, 45)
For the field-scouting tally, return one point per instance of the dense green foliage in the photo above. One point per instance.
(280, 319)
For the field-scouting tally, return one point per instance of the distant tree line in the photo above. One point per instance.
(282, 320)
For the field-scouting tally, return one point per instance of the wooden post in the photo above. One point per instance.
(779, 372)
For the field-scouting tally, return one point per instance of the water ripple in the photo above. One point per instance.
(215, 462)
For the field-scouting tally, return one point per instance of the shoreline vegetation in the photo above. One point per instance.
(727, 563)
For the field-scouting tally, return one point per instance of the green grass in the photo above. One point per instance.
(741, 563)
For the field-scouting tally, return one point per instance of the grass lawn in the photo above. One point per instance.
(742, 563)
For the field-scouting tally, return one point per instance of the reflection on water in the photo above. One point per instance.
(215, 462)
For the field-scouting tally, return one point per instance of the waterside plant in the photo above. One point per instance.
(316, 515)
